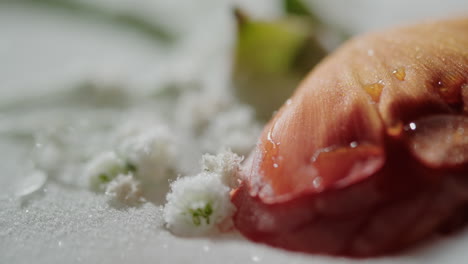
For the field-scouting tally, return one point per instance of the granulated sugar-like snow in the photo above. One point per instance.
(120, 143)
(74, 226)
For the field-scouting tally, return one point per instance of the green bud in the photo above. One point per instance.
(271, 58)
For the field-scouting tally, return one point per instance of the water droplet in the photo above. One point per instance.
(317, 182)
(370, 52)
(272, 147)
(275, 165)
(412, 126)
(353, 144)
(400, 73)
(288, 102)
(320, 151)
(256, 259)
(270, 138)
(375, 90)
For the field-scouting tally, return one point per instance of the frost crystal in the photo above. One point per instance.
(197, 205)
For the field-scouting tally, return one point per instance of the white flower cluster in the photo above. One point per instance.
(103, 169)
(141, 157)
(225, 165)
(107, 173)
(125, 188)
(152, 151)
(196, 110)
(201, 204)
(217, 121)
(235, 128)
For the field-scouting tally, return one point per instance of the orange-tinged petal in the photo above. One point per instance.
(370, 154)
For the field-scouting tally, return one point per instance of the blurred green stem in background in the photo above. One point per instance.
(297, 7)
(130, 21)
(273, 56)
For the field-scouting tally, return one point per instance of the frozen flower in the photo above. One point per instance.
(224, 165)
(125, 189)
(102, 169)
(197, 205)
(152, 151)
(196, 110)
(236, 129)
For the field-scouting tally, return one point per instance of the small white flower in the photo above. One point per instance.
(197, 205)
(125, 189)
(103, 169)
(196, 110)
(225, 165)
(236, 129)
(152, 151)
